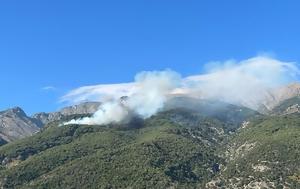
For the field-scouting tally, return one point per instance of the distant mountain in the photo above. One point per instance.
(265, 100)
(282, 100)
(83, 108)
(275, 97)
(278, 95)
(15, 124)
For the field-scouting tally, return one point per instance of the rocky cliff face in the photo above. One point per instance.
(15, 124)
(277, 96)
(84, 108)
(269, 99)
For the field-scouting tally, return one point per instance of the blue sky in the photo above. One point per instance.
(68, 43)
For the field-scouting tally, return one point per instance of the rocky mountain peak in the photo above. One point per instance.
(15, 124)
(83, 108)
(15, 111)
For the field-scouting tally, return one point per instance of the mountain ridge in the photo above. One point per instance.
(31, 124)
(207, 144)
(16, 124)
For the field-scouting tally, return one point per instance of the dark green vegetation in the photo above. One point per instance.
(231, 115)
(177, 148)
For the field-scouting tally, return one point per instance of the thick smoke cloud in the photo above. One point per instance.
(247, 83)
(148, 95)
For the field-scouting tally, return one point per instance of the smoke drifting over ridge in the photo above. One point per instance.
(247, 83)
(146, 97)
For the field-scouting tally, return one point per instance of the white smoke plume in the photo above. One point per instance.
(247, 83)
(147, 95)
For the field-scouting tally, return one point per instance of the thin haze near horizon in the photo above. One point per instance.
(48, 48)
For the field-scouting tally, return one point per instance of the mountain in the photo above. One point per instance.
(232, 115)
(265, 99)
(15, 124)
(276, 96)
(12, 126)
(288, 106)
(191, 143)
(284, 100)
(264, 154)
(175, 148)
(83, 108)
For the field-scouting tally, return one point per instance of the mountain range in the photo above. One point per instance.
(191, 143)
(15, 124)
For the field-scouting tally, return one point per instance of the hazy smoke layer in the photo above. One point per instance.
(150, 93)
(245, 83)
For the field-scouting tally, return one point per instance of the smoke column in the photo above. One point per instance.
(248, 83)
(151, 91)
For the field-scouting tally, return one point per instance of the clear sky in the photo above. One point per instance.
(68, 43)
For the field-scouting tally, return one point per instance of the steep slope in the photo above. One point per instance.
(268, 99)
(176, 148)
(288, 106)
(15, 124)
(275, 97)
(264, 154)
